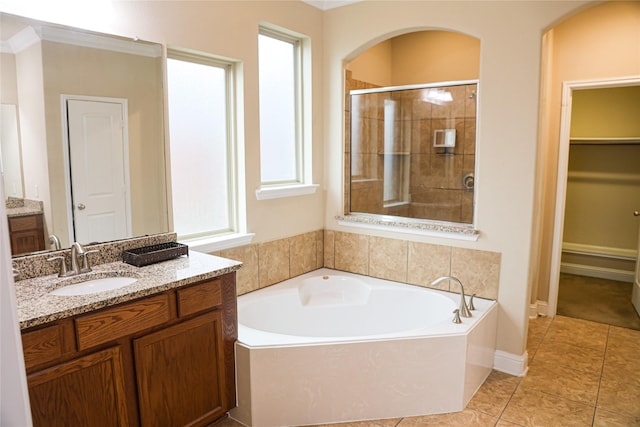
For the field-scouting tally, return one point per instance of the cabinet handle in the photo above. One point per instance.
(636, 213)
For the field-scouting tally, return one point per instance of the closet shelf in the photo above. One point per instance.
(604, 141)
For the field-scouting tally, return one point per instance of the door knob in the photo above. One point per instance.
(636, 213)
(81, 206)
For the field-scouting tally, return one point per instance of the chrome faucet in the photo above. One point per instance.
(463, 310)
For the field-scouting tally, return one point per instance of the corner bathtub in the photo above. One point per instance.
(330, 346)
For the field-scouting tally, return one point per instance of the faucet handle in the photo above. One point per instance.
(86, 265)
(456, 316)
(470, 305)
(63, 265)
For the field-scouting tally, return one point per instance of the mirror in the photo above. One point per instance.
(48, 70)
(411, 127)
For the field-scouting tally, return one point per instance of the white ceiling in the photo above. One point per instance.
(329, 4)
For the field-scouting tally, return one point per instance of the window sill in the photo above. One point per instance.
(422, 228)
(277, 192)
(218, 243)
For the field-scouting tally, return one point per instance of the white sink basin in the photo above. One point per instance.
(94, 286)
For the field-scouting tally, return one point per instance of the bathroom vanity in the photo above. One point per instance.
(157, 352)
(26, 225)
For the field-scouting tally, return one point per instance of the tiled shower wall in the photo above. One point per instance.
(435, 175)
(399, 260)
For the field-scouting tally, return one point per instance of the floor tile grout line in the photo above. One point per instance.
(508, 401)
(604, 358)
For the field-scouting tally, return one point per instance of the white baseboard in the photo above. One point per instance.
(509, 363)
(533, 311)
(543, 308)
(599, 272)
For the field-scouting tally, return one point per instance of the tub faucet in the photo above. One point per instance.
(463, 310)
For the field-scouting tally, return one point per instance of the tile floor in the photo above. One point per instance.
(581, 373)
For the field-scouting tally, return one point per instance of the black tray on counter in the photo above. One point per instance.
(154, 253)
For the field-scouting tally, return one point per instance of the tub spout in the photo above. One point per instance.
(463, 310)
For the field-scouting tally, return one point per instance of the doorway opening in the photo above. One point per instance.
(595, 242)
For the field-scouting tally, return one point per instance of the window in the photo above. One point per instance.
(202, 146)
(283, 158)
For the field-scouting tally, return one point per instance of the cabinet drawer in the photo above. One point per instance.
(199, 297)
(126, 319)
(22, 223)
(42, 346)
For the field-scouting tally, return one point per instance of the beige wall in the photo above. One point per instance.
(373, 65)
(417, 58)
(33, 135)
(510, 35)
(434, 56)
(606, 113)
(8, 83)
(602, 42)
(77, 70)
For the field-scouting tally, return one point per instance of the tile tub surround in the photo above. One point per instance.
(268, 263)
(416, 263)
(36, 265)
(35, 306)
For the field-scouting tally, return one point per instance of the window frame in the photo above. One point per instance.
(235, 233)
(302, 105)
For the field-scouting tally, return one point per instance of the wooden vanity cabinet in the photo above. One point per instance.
(27, 233)
(163, 360)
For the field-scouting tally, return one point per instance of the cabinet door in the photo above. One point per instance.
(88, 391)
(180, 373)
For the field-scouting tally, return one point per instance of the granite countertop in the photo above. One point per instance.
(35, 306)
(23, 207)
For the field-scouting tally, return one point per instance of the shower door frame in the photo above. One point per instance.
(562, 172)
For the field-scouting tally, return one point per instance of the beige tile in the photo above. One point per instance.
(624, 337)
(388, 258)
(611, 419)
(494, 394)
(352, 252)
(468, 417)
(479, 271)
(329, 248)
(427, 262)
(273, 259)
(619, 397)
(540, 325)
(622, 363)
(502, 423)
(562, 381)
(302, 253)
(536, 332)
(581, 333)
(374, 423)
(572, 357)
(247, 277)
(319, 248)
(534, 408)
(226, 422)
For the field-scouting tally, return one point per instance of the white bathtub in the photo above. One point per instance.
(331, 346)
